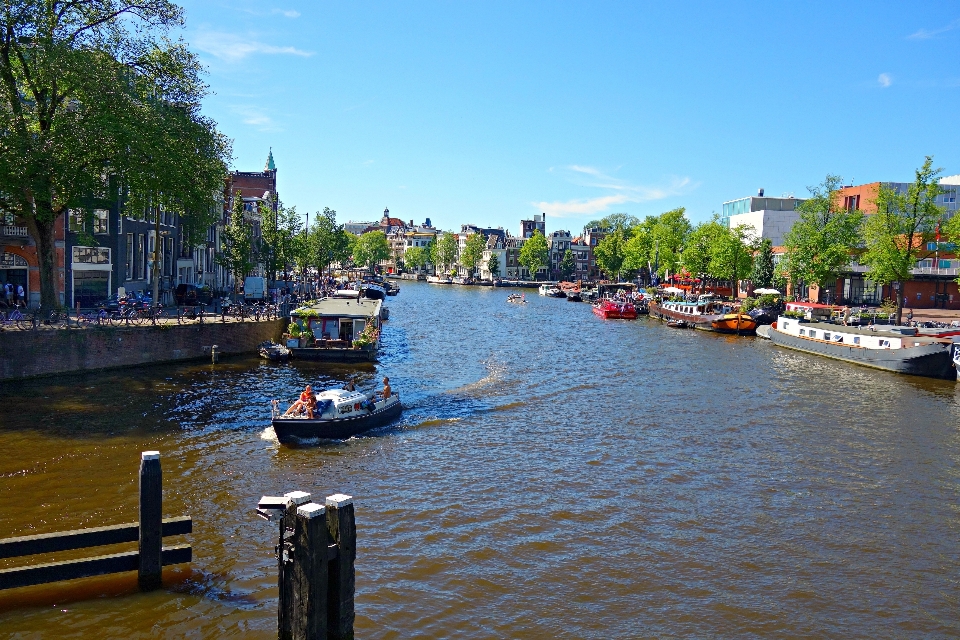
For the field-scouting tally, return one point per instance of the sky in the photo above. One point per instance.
(490, 112)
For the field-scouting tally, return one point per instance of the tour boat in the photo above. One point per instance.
(613, 310)
(707, 314)
(340, 414)
(897, 349)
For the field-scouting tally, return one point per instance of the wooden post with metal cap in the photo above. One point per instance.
(342, 528)
(150, 564)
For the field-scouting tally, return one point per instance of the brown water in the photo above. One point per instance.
(553, 475)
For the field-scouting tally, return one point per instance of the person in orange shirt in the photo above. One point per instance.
(307, 401)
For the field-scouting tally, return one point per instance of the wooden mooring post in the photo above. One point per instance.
(148, 560)
(316, 575)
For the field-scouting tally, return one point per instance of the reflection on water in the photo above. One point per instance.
(553, 475)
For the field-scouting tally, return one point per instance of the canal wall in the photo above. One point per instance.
(27, 354)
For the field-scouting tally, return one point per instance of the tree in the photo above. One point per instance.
(444, 250)
(534, 254)
(95, 100)
(897, 234)
(473, 251)
(610, 254)
(698, 251)
(371, 248)
(326, 239)
(638, 251)
(619, 222)
(731, 258)
(278, 231)
(416, 257)
(236, 250)
(819, 244)
(493, 265)
(567, 265)
(668, 235)
(763, 265)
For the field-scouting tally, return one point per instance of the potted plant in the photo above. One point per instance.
(305, 337)
(294, 340)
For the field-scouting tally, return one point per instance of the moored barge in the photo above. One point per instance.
(706, 314)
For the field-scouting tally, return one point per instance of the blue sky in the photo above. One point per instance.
(489, 112)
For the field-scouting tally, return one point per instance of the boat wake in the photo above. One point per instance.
(496, 376)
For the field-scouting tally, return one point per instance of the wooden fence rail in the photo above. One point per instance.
(148, 560)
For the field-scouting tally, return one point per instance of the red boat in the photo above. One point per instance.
(612, 310)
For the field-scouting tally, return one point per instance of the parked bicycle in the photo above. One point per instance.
(100, 317)
(189, 314)
(17, 318)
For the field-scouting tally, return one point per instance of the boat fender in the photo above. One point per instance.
(356, 407)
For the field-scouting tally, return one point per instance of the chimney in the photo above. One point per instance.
(760, 193)
(411, 223)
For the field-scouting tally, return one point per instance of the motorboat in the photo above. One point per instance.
(373, 291)
(574, 296)
(609, 309)
(340, 414)
(517, 298)
(551, 290)
(439, 280)
(273, 351)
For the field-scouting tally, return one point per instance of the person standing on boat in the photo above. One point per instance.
(846, 316)
(386, 388)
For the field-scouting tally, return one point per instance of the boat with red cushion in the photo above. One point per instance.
(613, 310)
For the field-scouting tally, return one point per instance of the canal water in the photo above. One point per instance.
(553, 476)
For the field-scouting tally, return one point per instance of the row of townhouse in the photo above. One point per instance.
(100, 249)
(933, 283)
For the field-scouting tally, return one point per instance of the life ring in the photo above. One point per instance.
(356, 407)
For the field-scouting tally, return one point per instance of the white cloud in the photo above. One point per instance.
(884, 80)
(255, 117)
(622, 192)
(232, 48)
(288, 13)
(926, 34)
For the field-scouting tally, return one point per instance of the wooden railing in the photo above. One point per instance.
(148, 560)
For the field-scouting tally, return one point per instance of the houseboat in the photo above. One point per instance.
(706, 314)
(613, 310)
(897, 349)
(439, 280)
(343, 330)
(340, 414)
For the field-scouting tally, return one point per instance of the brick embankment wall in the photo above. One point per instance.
(25, 354)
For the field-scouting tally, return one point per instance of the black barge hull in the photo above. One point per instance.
(292, 431)
(930, 361)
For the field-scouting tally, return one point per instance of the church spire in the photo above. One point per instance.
(270, 165)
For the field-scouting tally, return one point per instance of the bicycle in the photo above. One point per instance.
(16, 318)
(189, 314)
(152, 313)
(100, 317)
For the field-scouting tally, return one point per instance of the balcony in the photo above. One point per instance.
(11, 231)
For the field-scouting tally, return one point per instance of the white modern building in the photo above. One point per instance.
(769, 218)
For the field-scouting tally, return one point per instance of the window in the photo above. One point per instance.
(856, 340)
(75, 217)
(101, 221)
(141, 258)
(129, 260)
(826, 335)
(91, 255)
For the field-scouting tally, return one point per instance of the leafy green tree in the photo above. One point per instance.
(96, 100)
(668, 235)
(610, 253)
(473, 251)
(278, 232)
(819, 244)
(534, 254)
(326, 240)
(638, 251)
(731, 257)
(897, 234)
(698, 251)
(493, 265)
(236, 250)
(444, 251)
(623, 222)
(416, 257)
(567, 265)
(763, 265)
(371, 248)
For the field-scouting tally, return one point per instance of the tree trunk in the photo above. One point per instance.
(43, 235)
(899, 302)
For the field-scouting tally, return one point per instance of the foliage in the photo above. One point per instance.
(669, 235)
(236, 248)
(294, 330)
(888, 306)
(896, 235)
(567, 265)
(277, 232)
(368, 336)
(327, 242)
(416, 257)
(96, 102)
(819, 244)
(638, 251)
(534, 254)
(443, 250)
(609, 253)
(748, 304)
(473, 251)
(798, 315)
(763, 265)
(714, 251)
(493, 265)
(768, 300)
(371, 248)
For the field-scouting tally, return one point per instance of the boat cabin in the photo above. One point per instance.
(864, 337)
(341, 319)
(705, 305)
